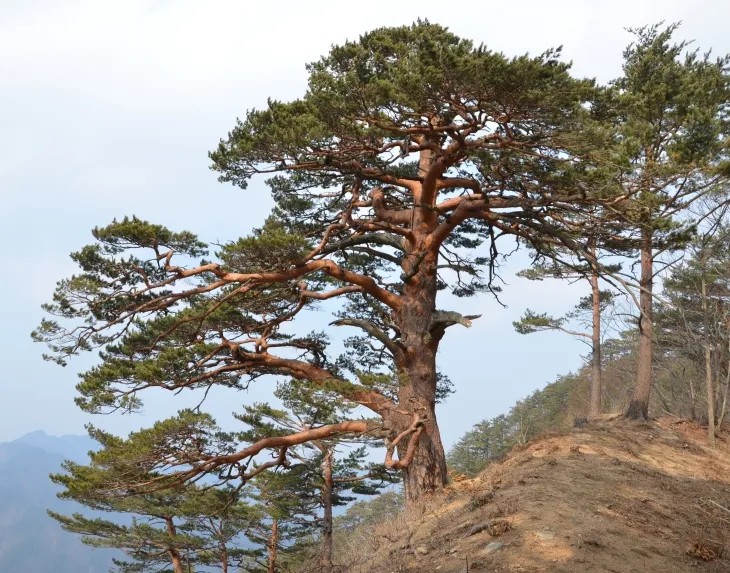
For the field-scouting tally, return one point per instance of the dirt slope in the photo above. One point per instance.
(610, 496)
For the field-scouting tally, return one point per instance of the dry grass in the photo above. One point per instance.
(607, 496)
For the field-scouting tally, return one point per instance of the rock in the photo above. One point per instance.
(493, 547)
(421, 550)
(479, 527)
(545, 535)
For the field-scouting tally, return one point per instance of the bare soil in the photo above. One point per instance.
(611, 496)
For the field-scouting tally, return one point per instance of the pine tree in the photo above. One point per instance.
(331, 479)
(671, 118)
(410, 150)
(181, 527)
(693, 316)
(587, 312)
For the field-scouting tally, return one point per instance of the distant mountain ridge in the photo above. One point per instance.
(71, 447)
(30, 541)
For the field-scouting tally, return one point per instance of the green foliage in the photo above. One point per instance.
(366, 513)
(534, 322)
(491, 440)
(672, 130)
(410, 149)
(306, 408)
(203, 526)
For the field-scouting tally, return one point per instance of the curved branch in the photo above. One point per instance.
(306, 371)
(327, 294)
(414, 430)
(382, 213)
(395, 348)
(379, 238)
(210, 464)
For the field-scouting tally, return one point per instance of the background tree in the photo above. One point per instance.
(543, 410)
(694, 312)
(671, 117)
(329, 478)
(289, 504)
(182, 527)
(587, 312)
(411, 148)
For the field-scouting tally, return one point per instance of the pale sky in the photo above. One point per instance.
(108, 108)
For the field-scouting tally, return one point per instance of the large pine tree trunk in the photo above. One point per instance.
(327, 489)
(417, 385)
(639, 406)
(595, 405)
(708, 368)
(273, 546)
(427, 470)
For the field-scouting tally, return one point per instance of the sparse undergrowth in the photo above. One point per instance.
(609, 496)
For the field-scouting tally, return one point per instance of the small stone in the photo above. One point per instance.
(421, 550)
(479, 527)
(493, 547)
(545, 535)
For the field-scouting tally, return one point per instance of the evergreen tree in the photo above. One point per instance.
(491, 440)
(587, 312)
(181, 527)
(410, 150)
(693, 316)
(369, 512)
(671, 117)
(331, 479)
(288, 501)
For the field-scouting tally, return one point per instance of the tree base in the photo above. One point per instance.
(638, 411)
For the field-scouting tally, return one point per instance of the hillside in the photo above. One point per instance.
(609, 496)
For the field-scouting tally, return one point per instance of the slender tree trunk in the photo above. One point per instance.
(727, 386)
(273, 546)
(595, 405)
(639, 406)
(327, 490)
(723, 405)
(708, 368)
(224, 558)
(175, 558)
(693, 399)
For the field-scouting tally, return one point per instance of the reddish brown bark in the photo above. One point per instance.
(278, 442)
(273, 546)
(427, 470)
(224, 557)
(327, 491)
(175, 558)
(639, 406)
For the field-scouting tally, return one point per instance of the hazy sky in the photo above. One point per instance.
(108, 108)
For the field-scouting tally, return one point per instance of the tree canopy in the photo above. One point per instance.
(410, 149)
